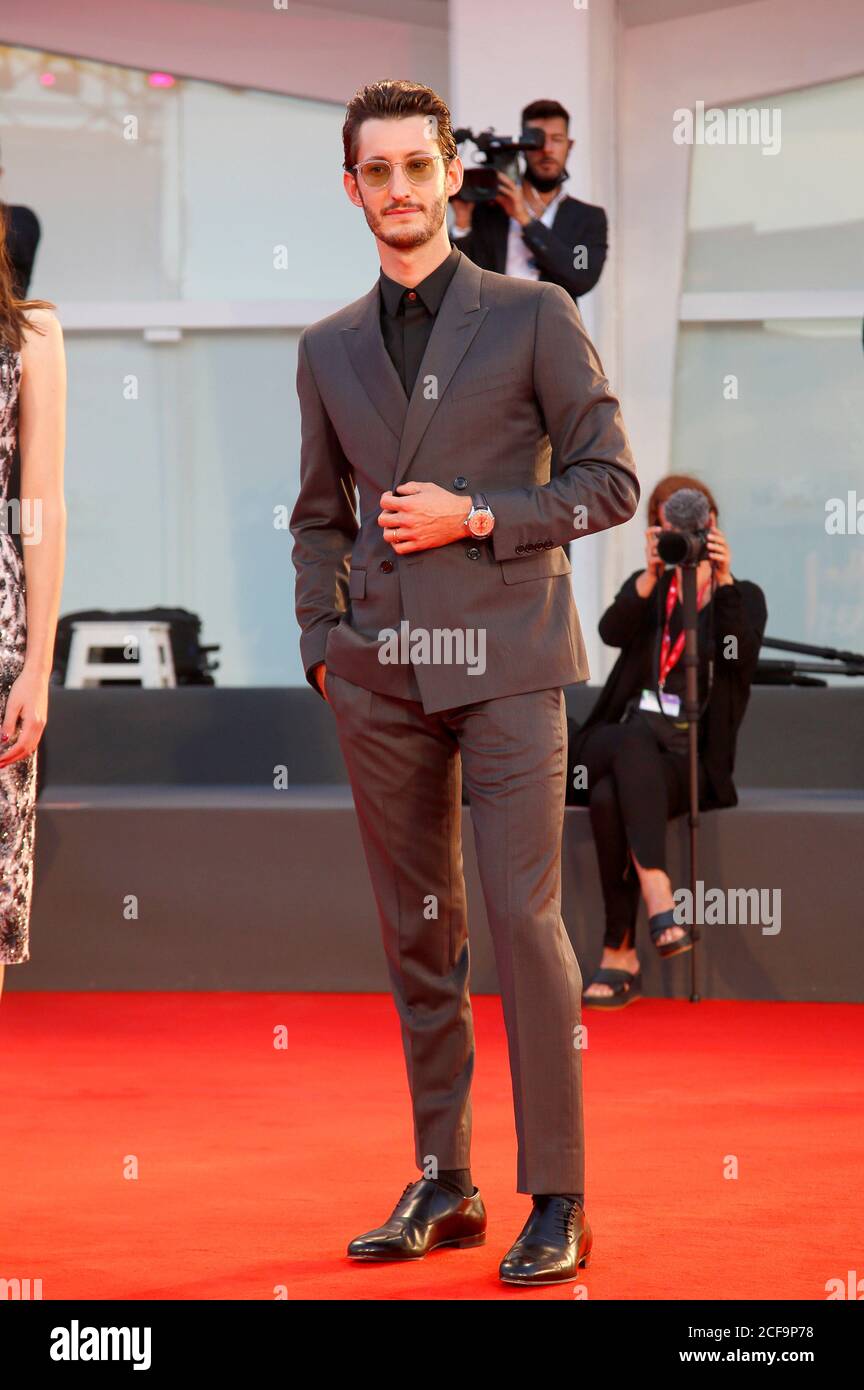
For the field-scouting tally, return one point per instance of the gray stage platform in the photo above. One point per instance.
(166, 860)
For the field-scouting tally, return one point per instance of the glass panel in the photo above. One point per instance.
(150, 192)
(791, 220)
(92, 149)
(171, 496)
(776, 457)
(276, 226)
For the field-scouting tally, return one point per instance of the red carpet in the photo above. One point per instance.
(256, 1165)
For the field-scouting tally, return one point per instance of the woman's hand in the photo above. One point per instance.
(27, 702)
(654, 566)
(720, 556)
(653, 563)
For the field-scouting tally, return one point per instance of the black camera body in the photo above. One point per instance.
(501, 153)
(683, 547)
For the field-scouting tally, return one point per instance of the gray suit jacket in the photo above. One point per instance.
(510, 400)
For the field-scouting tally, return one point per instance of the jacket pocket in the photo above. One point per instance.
(357, 583)
(543, 564)
(484, 383)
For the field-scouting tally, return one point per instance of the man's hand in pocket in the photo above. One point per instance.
(320, 674)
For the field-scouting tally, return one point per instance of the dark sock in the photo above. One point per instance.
(456, 1180)
(578, 1197)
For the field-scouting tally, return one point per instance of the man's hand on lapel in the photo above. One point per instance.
(421, 516)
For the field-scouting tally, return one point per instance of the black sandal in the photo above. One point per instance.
(626, 989)
(661, 922)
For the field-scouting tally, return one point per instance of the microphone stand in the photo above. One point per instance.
(691, 710)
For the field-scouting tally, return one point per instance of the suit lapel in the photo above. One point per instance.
(456, 323)
(453, 331)
(371, 362)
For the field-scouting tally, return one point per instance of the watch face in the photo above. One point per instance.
(481, 523)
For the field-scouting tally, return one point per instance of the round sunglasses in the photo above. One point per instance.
(376, 173)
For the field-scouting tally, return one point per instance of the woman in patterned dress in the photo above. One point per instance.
(32, 415)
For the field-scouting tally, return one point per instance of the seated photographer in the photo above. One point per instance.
(635, 756)
(533, 229)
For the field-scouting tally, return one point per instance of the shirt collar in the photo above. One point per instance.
(553, 203)
(431, 290)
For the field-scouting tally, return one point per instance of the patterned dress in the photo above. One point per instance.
(18, 780)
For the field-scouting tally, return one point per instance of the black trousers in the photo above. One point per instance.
(635, 786)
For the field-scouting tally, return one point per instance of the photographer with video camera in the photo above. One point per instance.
(527, 226)
(629, 762)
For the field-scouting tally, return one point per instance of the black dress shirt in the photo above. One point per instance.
(408, 316)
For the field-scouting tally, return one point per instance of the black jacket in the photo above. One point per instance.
(553, 248)
(631, 623)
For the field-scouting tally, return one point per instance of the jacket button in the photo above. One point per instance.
(473, 553)
(460, 482)
(386, 566)
(547, 545)
(520, 550)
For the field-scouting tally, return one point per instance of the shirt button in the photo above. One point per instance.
(460, 482)
(473, 553)
(386, 566)
(411, 295)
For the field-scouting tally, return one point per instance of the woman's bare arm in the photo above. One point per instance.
(42, 441)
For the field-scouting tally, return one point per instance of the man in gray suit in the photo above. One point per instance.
(471, 414)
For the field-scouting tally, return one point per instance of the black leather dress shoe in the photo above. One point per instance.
(425, 1217)
(555, 1240)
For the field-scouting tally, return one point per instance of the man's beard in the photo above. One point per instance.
(387, 229)
(547, 183)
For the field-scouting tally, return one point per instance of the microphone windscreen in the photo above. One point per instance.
(687, 510)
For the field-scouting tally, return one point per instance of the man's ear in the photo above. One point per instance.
(349, 183)
(454, 177)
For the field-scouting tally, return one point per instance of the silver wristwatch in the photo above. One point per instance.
(481, 519)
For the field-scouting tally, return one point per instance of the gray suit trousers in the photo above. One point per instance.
(406, 769)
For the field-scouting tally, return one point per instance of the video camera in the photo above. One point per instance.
(501, 153)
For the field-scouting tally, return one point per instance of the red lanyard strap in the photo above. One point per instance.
(668, 659)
